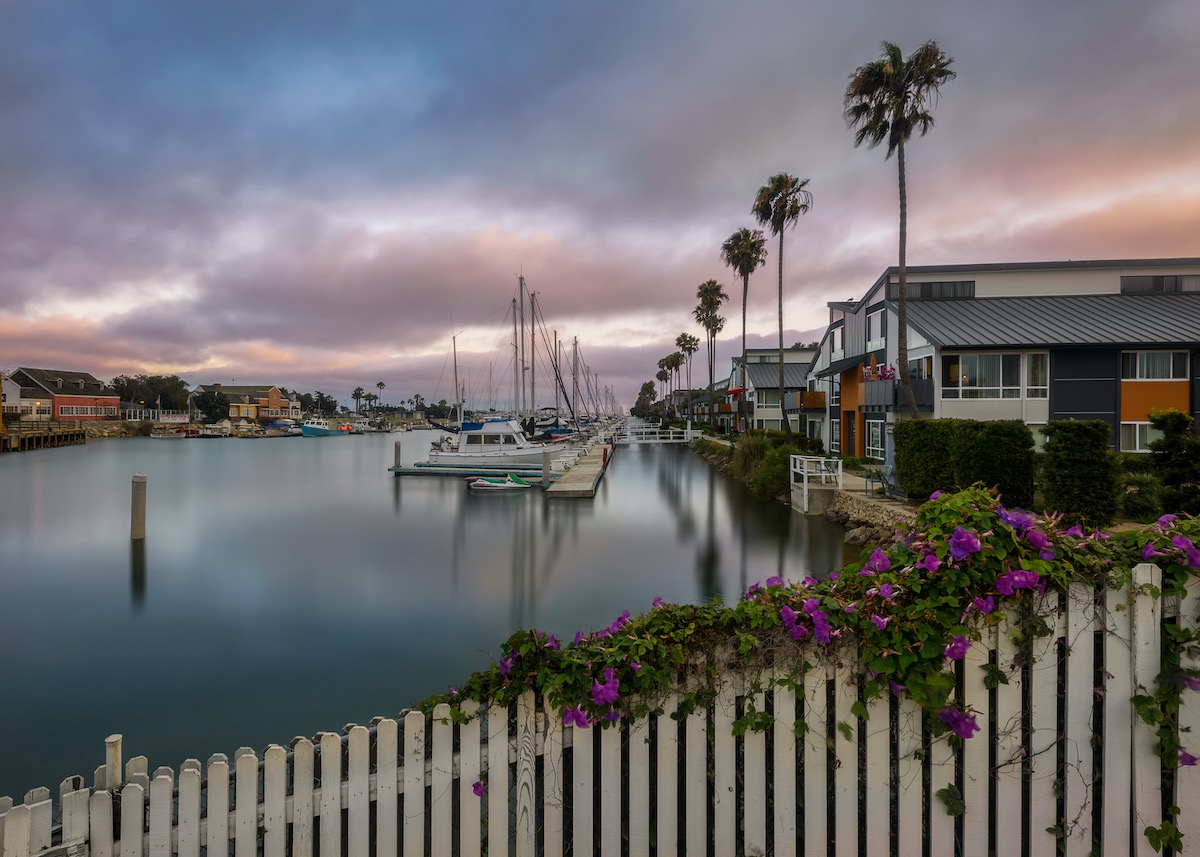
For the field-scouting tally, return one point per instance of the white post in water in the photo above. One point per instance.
(396, 459)
(112, 762)
(546, 466)
(137, 521)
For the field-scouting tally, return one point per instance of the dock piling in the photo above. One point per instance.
(137, 522)
(396, 455)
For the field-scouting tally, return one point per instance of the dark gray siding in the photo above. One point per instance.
(1195, 372)
(1085, 384)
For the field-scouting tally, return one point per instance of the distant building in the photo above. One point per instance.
(252, 402)
(759, 401)
(60, 394)
(1090, 340)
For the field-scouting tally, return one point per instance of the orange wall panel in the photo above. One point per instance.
(1139, 398)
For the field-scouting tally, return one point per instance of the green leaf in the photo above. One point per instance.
(953, 799)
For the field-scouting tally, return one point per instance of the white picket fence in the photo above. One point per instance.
(1060, 748)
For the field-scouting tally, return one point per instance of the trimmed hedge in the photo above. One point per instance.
(1081, 473)
(952, 454)
(1175, 459)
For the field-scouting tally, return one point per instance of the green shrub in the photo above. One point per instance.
(999, 454)
(1141, 497)
(1080, 474)
(923, 460)
(748, 454)
(1175, 460)
(773, 477)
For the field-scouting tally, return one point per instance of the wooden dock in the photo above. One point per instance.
(583, 479)
(21, 440)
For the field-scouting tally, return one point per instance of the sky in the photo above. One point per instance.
(322, 195)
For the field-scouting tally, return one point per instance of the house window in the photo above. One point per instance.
(934, 290)
(1144, 285)
(875, 330)
(920, 368)
(875, 439)
(1037, 377)
(981, 376)
(835, 391)
(1154, 365)
(1136, 437)
(768, 398)
(837, 342)
(835, 435)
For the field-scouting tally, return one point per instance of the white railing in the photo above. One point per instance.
(817, 470)
(652, 433)
(1060, 748)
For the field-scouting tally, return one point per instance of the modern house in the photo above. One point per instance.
(1089, 340)
(252, 402)
(46, 394)
(754, 394)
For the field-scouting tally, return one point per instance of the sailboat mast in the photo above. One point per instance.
(532, 353)
(575, 376)
(457, 394)
(521, 304)
(557, 374)
(516, 361)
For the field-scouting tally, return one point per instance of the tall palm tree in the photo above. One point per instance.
(888, 99)
(380, 385)
(709, 296)
(662, 375)
(745, 251)
(779, 204)
(688, 345)
(357, 396)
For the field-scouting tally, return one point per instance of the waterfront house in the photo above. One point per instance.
(46, 394)
(1036, 341)
(755, 392)
(251, 402)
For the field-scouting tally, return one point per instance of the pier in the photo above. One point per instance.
(20, 440)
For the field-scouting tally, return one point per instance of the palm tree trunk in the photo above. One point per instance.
(785, 423)
(742, 398)
(712, 341)
(902, 296)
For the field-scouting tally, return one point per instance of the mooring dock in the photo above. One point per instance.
(583, 479)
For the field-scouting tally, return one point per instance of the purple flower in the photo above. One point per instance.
(961, 723)
(579, 638)
(657, 602)
(1037, 539)
(1182, 543)
(607, 693)
(833, 575)
(1162, 522)
(896, 688)
(850, 608)
(1190, 682)
(958, 648)
(506, 664)
(1046, 554)
(774, 581)
(1010, 581)
(879, 561)
(811, 605)
(635, 666)
(879, 621)
(935, 495)
(984, 605)
(575, 717)
(1076, 532)
(479, 788)
(1186, 758)
(886, 591)
(866, 572)
(612, 715)
(1193, 559)
(753, 590)
(930, 562)
(809, 581)
(1018, 520)
(1149, 551)
(788, 615)
(963, 543)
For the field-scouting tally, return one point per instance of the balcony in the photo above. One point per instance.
(886, 395)
(813, 400)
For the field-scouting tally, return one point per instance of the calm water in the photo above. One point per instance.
(288, 586)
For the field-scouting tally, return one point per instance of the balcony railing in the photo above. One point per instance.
(804, 400)
(885, 395)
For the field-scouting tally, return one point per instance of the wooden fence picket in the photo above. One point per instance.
(1061, 760)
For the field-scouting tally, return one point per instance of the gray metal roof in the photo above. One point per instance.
(1155, 319)
(765, 376)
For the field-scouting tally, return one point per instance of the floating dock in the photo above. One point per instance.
(19, 440)
(583, 479)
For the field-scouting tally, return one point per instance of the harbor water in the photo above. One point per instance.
(291, 585)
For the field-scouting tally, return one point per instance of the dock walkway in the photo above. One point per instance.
(583, 479)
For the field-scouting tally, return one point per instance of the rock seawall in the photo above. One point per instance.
(865, 522)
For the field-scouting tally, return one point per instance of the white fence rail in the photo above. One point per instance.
(814, 470)
(655, 434)
(1061, 764)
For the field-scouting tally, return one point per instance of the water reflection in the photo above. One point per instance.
(137, 571)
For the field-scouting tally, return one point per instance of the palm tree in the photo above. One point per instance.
(370, 398)
(674, 364)
(380, 385)
(779, 204)
(688, 345)
(745, 251)
(888, 99)
(710, 295)
(357, 396)
(662, 375)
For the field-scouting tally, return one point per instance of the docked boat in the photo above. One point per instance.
(494, 483)
(321, 427)
(493, 442)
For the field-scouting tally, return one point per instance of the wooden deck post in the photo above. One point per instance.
(137, 522)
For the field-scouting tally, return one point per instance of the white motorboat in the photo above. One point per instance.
(494, 442)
